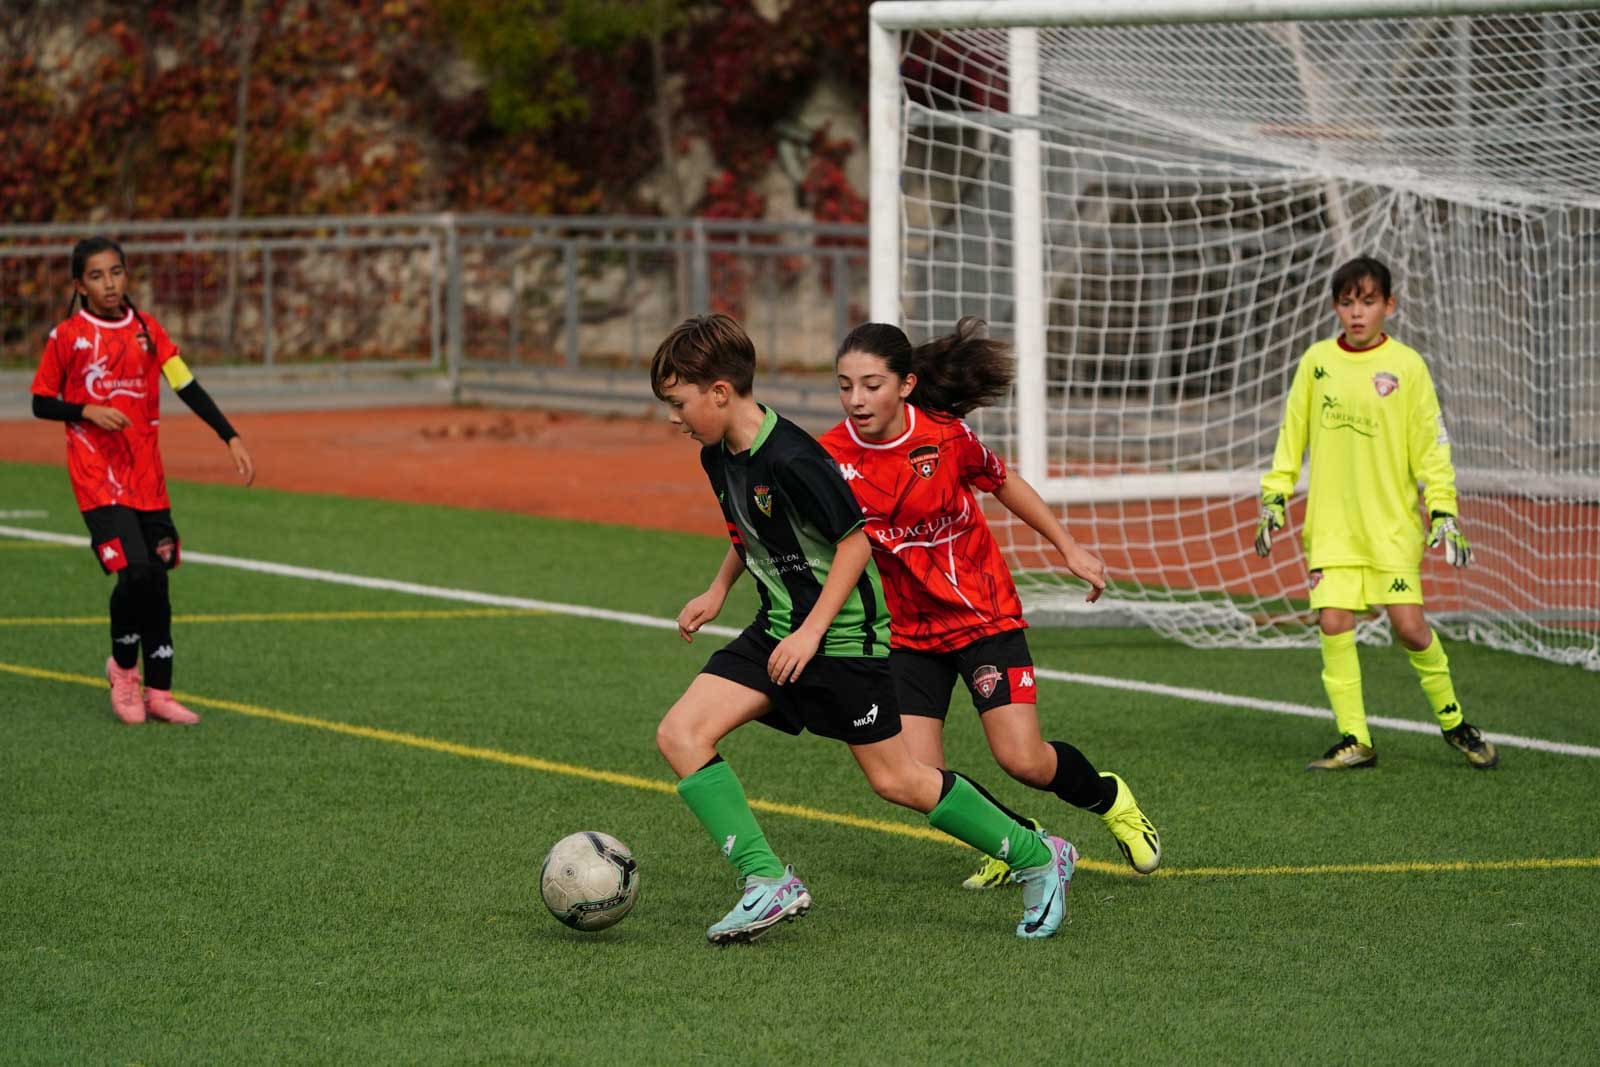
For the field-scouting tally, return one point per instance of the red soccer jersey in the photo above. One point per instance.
(943, 576)
(94, 361)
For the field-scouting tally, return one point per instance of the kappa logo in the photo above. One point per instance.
(727, 846)
(128, 639)
(1005, 849)
(1319, 373)
(763, 498)
(1399, 586)
(111, 556)
(164, 652)
(924, 460)
(985, 678)
(1023, 691)
(848, 472)
(81, 343)
(1385, 383)
(868, 719)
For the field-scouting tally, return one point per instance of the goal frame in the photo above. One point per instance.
(888, 19)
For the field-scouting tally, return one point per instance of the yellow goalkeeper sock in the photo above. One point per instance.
(1433, 671)
(1341, 677)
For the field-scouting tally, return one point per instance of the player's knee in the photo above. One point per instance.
(891, 785)
(1415, 637)
(1029, 764)
(143, 580)
(676, 738)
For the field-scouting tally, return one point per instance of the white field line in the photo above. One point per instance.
(1201, 696)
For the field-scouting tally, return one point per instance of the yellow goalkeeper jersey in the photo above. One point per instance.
(1372, 423)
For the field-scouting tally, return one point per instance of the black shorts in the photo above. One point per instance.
(120, 536)
(998, 671)
(847, 698)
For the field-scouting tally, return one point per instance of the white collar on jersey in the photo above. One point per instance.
(911, 425)
(106, 323)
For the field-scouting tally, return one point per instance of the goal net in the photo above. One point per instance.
(1152, 210)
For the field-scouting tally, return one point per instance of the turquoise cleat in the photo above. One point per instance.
(1044, 889)
(766, 902)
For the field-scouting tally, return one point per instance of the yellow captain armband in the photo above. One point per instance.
(177, 373)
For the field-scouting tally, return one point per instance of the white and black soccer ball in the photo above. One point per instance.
(589, 880)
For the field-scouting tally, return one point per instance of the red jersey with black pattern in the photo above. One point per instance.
(944, 578)
(112, 363)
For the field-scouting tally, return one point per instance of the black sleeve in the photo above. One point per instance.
(55, 409)
(812, 481)
(201, 404)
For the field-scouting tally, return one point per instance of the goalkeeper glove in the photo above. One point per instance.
(1271, 519)
(1456, 550)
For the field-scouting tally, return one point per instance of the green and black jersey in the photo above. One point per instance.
(787, 507)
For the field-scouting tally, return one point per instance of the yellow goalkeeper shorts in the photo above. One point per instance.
(1358, 588)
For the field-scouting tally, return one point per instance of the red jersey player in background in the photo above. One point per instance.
(101, 375)
(913, 464)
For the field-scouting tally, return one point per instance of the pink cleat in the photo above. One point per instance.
(125, 702)
(158, 704)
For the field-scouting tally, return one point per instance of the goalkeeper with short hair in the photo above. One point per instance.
(1365, 407)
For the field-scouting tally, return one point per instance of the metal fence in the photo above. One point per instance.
(586, 297)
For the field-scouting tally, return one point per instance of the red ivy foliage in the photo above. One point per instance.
(346, 114)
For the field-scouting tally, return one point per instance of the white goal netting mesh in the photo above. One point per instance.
(1199, 184)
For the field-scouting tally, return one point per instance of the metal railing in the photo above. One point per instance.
(453, 293)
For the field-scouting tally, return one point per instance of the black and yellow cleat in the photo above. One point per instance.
(993, 873)
(1136, 835)
(1480, 753)
(1348, 755)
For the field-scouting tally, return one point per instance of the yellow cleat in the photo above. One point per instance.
(993, 873)
(1347, 755)
(1136, 835)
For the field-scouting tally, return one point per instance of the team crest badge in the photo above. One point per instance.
(1385, 383)
(985, 678)
(925, 460)
(763, 498)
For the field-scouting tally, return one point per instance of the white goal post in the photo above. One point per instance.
(1148, 198)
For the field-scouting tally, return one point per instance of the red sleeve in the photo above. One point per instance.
(51, 376)
(165, 349)
(980, 468)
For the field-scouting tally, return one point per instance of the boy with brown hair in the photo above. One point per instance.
(1365, 407)
(815, 656)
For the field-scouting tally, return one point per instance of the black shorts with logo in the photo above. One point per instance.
(998, 671)
(119, 536)
(847, 698)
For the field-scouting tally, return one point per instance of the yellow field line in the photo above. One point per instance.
(924, 833)
(292, 616)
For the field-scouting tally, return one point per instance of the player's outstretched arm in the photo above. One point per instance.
(1024, 501)
(850, 558)
(708, 605)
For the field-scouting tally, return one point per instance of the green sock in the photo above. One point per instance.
(1341, 677)
(967, 817)
(1433, 671)
(717, 799)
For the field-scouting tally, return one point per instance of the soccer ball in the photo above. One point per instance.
(589, 880)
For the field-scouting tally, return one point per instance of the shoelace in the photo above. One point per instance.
(1344, 742)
